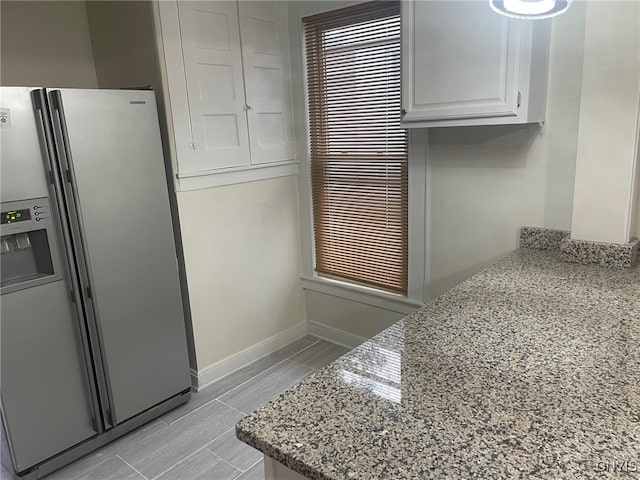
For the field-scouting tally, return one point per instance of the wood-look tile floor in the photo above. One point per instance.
(197, 440)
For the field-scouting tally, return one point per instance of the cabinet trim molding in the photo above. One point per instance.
(229, 176)
(361, 294)
(177, 103)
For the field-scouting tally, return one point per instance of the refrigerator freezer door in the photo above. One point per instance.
(23, 173)
(116, 165)
(47, 398)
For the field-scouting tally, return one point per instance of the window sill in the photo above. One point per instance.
(230, 176)
(357, 293)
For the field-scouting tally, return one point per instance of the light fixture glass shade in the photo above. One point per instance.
(532, 9)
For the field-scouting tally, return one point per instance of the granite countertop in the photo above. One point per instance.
(530, 369)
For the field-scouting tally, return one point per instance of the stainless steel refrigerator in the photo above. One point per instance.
(93, 339)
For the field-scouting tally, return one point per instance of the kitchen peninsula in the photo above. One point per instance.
(529, 369)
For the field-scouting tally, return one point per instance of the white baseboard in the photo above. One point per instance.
(224, 367)
(334, 335)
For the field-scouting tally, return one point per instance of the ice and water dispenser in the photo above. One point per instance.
(29, 257)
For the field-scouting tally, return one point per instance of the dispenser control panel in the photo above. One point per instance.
(24, 215)
(13, 216)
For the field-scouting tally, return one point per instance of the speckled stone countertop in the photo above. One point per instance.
(530, 369)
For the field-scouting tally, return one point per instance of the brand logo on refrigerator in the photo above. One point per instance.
(137, 102)
(5, 118)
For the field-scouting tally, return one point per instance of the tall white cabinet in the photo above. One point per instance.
(463, 64)
(229, 82)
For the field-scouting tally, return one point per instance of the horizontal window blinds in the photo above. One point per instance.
(359, 170)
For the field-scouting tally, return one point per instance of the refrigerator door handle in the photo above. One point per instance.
(74, 215)
(43, 126)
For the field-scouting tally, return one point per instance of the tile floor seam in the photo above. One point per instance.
(303, 365)
(261, 459)
(179, 462)
(78, 475)
(138, 443)
(190, 412)
(286, 368)
(132, 467)
(225, 432)
(232, 431)
(117, 452)
(305, 348)
(251, 378)
(218, 438)
(225, 461)
(244, 414)
(195, 410)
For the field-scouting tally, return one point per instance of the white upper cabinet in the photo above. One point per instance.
(228, 77)
(463, 64)
(215, 87)
(265, 54)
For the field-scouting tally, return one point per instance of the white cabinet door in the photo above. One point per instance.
(213, 70)
(265, 55)
(460, 60)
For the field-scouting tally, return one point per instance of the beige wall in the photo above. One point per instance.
(352, 317)
(45, 44)
(608, 123)
(123, 42)
(242, 253)
(487, 182)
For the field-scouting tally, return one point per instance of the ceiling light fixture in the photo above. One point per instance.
(532, 9)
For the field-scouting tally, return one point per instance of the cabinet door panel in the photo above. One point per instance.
(460, 61)
(265, 53)
(213, 70)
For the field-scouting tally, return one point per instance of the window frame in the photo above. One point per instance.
(417, 210)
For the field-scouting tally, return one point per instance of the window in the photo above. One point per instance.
(359, 153)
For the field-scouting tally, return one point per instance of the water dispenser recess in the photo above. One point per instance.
(23, 240)
(27, 243)
(27, 257)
